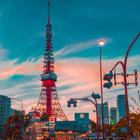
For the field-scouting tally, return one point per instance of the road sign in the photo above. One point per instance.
(51, 119)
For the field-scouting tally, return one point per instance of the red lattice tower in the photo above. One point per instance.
(48, 101)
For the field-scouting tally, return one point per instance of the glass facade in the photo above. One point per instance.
(5, 111)
(113, 115)
(80, 124)
(106, 113)
(120, 106)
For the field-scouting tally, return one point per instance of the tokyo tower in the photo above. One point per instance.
(48, 101)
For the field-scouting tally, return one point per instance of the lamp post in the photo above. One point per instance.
(19, 101)
(101, 44)
(125, 83)
(95, 97)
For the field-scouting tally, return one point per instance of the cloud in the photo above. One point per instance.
(77, 77)
(28, 104)
(74, 48)
(80, 76)
(11, 67)
(3, 52)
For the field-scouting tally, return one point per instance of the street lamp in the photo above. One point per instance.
(95, 97)
(73, 101)
(101, 43)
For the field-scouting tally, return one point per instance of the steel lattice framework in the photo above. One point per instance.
(49, 101)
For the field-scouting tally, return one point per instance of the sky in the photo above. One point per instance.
(77, 27)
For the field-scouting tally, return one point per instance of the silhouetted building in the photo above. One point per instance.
(5, 111)
(106, 113)
(99, 106)
(121, 106)
(80, 124)
(65, 126)
(16, 112)
(113, 115)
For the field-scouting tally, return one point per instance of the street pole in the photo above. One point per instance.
(97, 120)
(101, 43)
(74, 129)
(125, 75)
(125, 81)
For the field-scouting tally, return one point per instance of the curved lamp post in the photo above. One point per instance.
(125, 75)
(73, 101)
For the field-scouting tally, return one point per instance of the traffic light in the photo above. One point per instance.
(95, 95)
(69, 104)
(108, 78)
(75, 104)
(108, 85)
(11, 125)
(112, 122)
(72, 102)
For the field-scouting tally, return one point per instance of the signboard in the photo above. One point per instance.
(82, 122)
(65, 126)
(51, 119)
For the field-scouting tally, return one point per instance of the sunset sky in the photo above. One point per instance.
(77, 27)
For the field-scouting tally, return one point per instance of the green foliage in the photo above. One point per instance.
(44, 117)
(134, 123)
(112, 122)
(13, 127)
(93, 125)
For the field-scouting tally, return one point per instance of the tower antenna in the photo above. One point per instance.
(49, 3)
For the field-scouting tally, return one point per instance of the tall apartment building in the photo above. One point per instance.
(5, 111)
(121, 111)
(113, 115)
(106, 113)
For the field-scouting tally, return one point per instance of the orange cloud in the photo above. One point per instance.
(79, 75)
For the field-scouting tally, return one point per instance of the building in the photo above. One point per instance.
(16, 112)
(113, 115)
(80, 124)
(65, 126)
(121, 111)
(106, 113)
(5, 111)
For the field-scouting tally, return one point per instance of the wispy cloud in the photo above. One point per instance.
(74, 48)
(77, 77)
(29, 67)
(3, 52)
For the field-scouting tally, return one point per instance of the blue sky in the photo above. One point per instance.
(77, 25)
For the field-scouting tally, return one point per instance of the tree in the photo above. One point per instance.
(93, 125)
(135, 104)
(44, 117)
(134, 123)
(13, 127)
